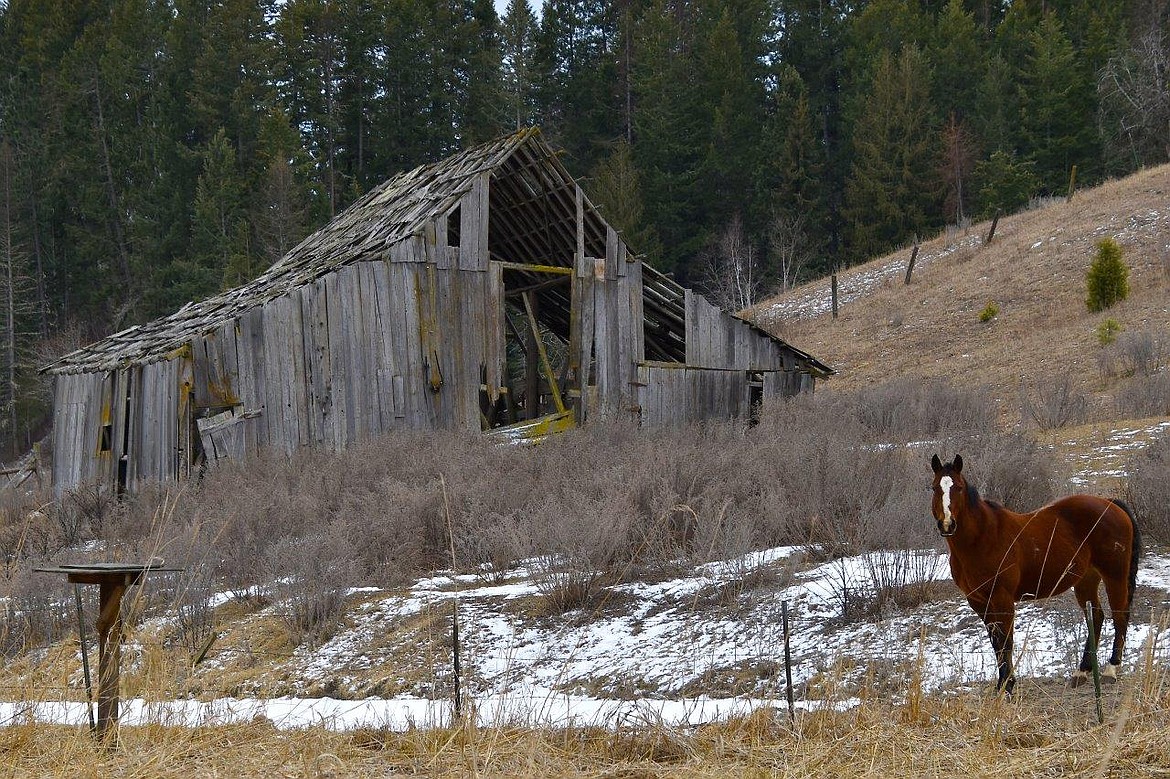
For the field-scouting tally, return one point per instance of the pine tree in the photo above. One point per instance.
(577, 84)
(310, 74)
(1108, 277)
(1054, 99)
(893, 189)
(518, 33)
(280, 213)
(1005, 183)
(480, 120)
(812, 39)
(616, 189)
(403, 115)
(220, 239)
(14, 297)
(667, 121)
(957, 62)
(728, 93)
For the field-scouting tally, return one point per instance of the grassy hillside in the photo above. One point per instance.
(1033, 271)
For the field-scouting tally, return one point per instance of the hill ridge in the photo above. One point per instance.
(1033, 271)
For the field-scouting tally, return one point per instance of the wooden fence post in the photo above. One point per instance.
(84, 659)
(834, 280)
(994, 222)
(913, 257)
(455, 658)
(1072, 182)
(1093, 660)
(788, 661)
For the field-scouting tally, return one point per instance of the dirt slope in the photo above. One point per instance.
(1033, 270)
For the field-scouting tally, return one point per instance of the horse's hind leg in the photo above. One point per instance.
(1119, 601)
(1087, 593)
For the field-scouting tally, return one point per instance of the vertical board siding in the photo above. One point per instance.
(473, 225)
(315, 340)
(406, 292)
(253, 391)
(494, 340)
(671, 396)
(157, 411)
(716, 339)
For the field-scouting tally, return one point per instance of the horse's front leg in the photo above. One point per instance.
(1000, 627)
(1001, 642)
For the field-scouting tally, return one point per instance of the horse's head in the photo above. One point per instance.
(950, 492)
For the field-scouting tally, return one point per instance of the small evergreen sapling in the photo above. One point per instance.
(1108, 278)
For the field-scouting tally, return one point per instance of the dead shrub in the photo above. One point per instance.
(914, 408)
(1148, 490)
(33, 615)
(28, 529)
(85, 511)
(310, 578)
(1054, 402)
(194, 609)
(902, 579)
(1145, 396)
(1140, 353)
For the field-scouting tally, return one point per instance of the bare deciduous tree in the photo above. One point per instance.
(957, 163)
(1134, 88)
(15, 297)
(732, 270)
(792, 246)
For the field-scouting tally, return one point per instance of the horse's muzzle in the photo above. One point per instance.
(942, 531)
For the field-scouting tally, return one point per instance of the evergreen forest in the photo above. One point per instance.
(154, 152)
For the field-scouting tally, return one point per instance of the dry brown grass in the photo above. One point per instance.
(1046, 731)
(1043, 329)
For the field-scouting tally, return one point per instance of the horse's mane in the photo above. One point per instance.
(973, 497)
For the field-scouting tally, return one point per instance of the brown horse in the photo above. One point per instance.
(999, 557)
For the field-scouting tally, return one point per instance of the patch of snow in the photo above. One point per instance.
(643, 660)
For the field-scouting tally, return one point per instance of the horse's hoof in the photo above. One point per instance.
(1078, 678)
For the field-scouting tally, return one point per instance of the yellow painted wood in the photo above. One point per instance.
(544, 363)
(533, 268)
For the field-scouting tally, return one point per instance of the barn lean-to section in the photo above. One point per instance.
(483, 292)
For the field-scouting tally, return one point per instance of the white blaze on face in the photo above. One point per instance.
(945, 484)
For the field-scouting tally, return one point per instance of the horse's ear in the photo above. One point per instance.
(958, 466)
(935, 464)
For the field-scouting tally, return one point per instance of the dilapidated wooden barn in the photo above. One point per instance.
(483, 292)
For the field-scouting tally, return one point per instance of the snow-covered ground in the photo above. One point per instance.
(815, 298)
(1107, 460)
(699, 647)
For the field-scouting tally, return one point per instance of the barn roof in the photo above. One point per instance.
(533, 220)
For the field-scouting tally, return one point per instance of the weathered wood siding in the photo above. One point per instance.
(716, 339)
(675, 394)
(92, 432)
(77, 428)
(678, 394)
(607, 331)
(403, 342)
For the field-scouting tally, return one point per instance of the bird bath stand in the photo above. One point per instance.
(112, 579)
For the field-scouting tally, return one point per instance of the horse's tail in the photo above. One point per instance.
(1135, 549)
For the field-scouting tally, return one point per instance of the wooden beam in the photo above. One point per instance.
(548, 371)
(558, 269)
